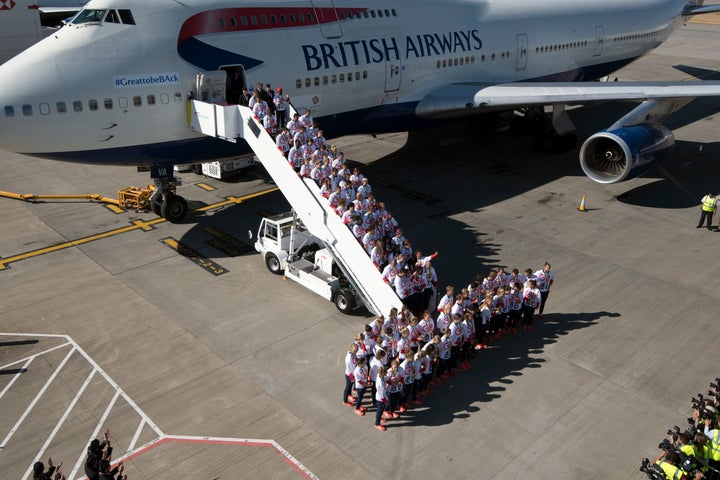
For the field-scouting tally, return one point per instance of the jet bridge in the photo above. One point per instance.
(231, 122)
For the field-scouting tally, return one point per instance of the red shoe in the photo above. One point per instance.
(445, 376)
(359, 413)
(381, 427)
(363, 408)
(466, 366)
(348, 404)
(417, 402)
(452, 374)
(403, 409)
(529, 327)
(388, 415)
(542, 317)
(395, 415)
(351, 399)
(383, 420)
(514, 330)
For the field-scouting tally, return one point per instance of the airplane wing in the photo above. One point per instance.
(458, 100)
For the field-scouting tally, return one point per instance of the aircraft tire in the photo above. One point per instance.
(344, 300)
(174, 208)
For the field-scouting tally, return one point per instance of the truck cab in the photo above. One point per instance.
(287, 247)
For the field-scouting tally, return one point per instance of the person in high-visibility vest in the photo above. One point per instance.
(669, 466)
(707, 209)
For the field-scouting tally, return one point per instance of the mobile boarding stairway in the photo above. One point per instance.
(231, 122)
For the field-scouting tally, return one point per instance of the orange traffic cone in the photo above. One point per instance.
(582, 205)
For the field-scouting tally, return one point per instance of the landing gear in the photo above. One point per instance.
(163, 201)
(553, 134)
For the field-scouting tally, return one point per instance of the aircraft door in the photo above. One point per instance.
(211, 86)
(393, 75)
(327, 18)
(236, 80)
(599, 34)
(522, 52)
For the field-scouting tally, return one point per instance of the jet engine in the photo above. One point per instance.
(611, 156)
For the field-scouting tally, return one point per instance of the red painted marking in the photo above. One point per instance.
(240, 19)
(209, 441)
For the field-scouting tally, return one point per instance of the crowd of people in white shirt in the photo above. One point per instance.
(399, 357)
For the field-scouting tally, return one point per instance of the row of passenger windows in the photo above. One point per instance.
(454, 62)
(561, 46)
(300, 18)
(334, 78)
(78, 106)
(638, 36)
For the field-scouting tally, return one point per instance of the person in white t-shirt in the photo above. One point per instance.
(544, 278)
(362, 379)
(531, 301)
(350, 364)
(380, 397)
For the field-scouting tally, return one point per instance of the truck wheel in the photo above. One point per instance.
(344, 300)
(273, 264)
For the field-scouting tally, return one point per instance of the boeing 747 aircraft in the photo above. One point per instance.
(112, 86)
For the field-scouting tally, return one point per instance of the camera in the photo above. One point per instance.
(651, 470)
(665, 445)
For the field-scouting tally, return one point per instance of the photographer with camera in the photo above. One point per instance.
(713, 445)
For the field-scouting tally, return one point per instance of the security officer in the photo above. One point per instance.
(708, 207)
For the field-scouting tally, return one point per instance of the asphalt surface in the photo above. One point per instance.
(204, 365)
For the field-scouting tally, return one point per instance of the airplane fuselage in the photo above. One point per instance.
(117, 92)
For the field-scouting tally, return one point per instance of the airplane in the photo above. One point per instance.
(53, 12)
(112, 85)
(19, 27)
(22, 22)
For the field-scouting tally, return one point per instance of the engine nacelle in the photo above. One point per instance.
(611, 156)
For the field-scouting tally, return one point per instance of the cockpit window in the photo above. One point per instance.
(112, 17)
(108, 16)
(127, 17)
(89, 16)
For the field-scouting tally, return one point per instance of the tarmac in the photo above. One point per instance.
(204, 365)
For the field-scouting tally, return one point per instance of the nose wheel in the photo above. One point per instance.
(164, 202)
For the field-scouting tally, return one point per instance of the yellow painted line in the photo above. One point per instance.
(205, 186)
(114, 208)
(236, 200)
(136, 225)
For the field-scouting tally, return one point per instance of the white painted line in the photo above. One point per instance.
(32, 357)
(55, 430)
(94, 434)
(117, 388)
(36, 399)
(17, 375)
(136, 436)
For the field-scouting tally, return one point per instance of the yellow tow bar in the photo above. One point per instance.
(129, 197)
